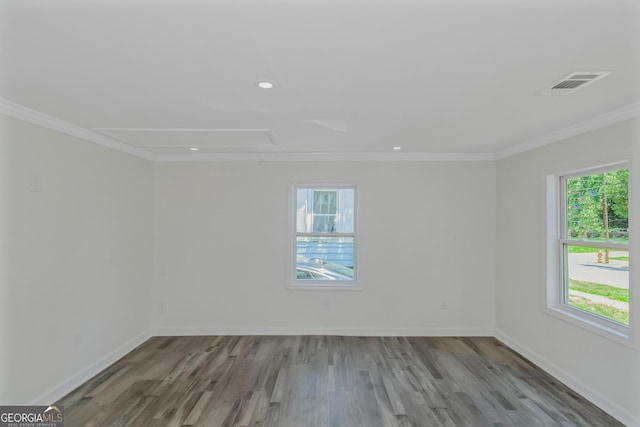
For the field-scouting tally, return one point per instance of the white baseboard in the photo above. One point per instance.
(70, 384)
(358, 332)
(63, 388)
(588, 393)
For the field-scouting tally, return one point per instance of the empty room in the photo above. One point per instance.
(319, 213)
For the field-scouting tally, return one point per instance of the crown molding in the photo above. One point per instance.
(12, 109)
(32, 116)
(328, 157)
(616, 116)
(17, 111)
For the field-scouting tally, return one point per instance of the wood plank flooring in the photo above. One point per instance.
(301, 381)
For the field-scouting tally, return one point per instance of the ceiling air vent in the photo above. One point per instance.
(573, 82)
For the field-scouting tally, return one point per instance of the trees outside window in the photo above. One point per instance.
(594, 244)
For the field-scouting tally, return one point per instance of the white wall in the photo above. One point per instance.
(75, 258)
(605, 371)
(79, 256)
(426, 234)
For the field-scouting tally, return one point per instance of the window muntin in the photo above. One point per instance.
(594, 244)
(324, 210)
(325, 238)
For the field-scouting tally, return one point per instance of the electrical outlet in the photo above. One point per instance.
(443, 304)
(162, 308)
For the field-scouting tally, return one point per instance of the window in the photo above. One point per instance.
(324, 236)
(592, 248)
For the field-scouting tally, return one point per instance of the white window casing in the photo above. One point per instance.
(323, 248)
(557, 247)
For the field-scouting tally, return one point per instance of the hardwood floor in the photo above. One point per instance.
(303, 381)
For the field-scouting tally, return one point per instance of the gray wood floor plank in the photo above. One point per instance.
(331, 381)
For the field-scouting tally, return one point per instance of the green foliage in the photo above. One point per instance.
(586, 197)
(620, 258)
(582, 249)
(611, 292)
(603, 310)
(617, 183)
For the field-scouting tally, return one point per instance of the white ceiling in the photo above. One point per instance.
(351, 76)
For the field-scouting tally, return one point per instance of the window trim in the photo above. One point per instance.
(344, 285)
(557, 265)
(556, 217)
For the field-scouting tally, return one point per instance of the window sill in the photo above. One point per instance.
(354, 286)
(620, 335)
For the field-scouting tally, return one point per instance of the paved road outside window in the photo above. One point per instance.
(584, 267)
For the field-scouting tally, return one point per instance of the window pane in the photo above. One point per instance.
(325, 210)
(337, 250)
(324, 223)
(326, 258)
(597, 207)
(598, 281)
(324, 202)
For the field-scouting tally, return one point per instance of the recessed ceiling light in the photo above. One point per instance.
(397, 148)
(194, 149)
(265, 85)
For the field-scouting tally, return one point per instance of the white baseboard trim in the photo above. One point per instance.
(576, 385)
(65, 387)
(363, 332)
(62, 389)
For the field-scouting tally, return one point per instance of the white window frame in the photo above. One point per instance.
(556, 264)
(308, 284)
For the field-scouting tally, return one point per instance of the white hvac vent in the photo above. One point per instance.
(573, 82)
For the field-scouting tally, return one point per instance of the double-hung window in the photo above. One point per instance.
(591, 282)
(324, 236)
